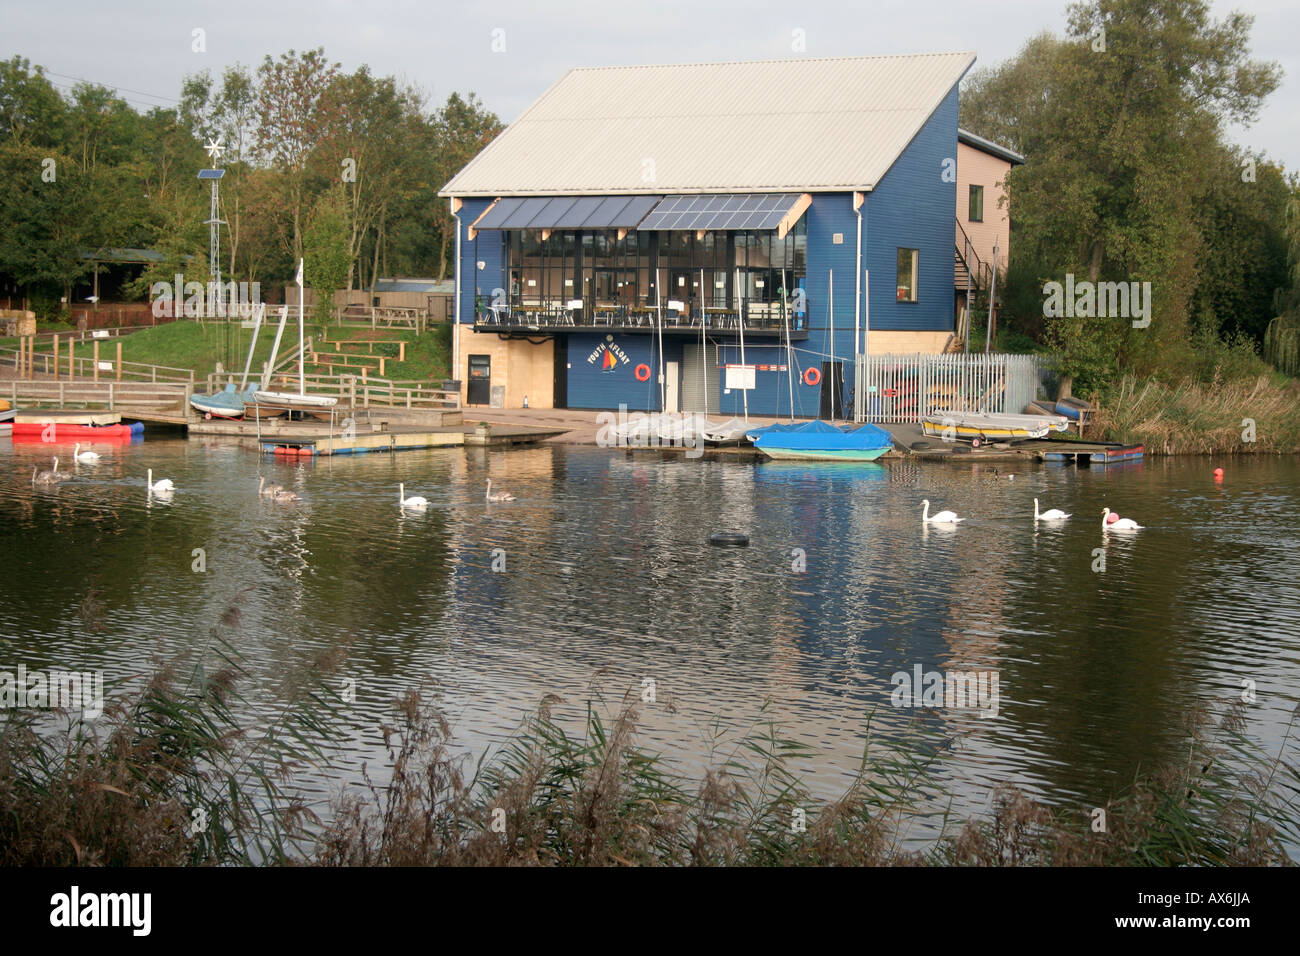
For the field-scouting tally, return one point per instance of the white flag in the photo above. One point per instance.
(298, 278)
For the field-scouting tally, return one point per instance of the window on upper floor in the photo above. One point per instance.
(976, 212)
(907, 261)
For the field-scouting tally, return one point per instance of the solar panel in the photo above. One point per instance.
(569, 212)
(748, 211)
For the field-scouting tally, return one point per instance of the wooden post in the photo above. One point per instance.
(95, 353)
(56, 357)
(72, 359)
(119, 360)
(401, 351)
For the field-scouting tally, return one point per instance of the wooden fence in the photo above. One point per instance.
(64, 362)
(360, 393)
(161, 402)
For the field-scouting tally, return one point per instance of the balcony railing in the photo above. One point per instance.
(761, 318)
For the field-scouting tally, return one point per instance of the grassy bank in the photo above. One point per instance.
(172, 755)
(199, 347)
(1244, 416)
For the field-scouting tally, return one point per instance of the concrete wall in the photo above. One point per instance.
(522, 367)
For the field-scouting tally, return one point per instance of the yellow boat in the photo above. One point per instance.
(968, 426)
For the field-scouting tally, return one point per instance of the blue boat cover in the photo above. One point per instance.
(821, 435)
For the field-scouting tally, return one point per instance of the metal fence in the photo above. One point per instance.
(902, 388)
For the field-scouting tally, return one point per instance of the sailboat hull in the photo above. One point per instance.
(824, 454)
(822, 441)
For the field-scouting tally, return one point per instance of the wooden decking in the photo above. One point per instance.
(157, 403)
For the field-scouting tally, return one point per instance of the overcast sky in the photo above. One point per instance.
(144, 49)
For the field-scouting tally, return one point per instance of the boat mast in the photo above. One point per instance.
(740, 311)
(257, 324)
(789, 355)
(659, 307)
(704, 346)
(275, 346)
(830, 279)
(302, 358)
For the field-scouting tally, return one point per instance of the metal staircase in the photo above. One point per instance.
(971, 275)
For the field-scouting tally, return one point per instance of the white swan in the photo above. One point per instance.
(415, 503)
(1051, 514)
(1119, 524)
(284, 494)
(162, 484)
(499, 496)
(80, 455)
(943, 517)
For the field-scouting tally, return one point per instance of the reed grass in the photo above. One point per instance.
(598, 799)
(593, 797)
(167, 776)
(1203, 418)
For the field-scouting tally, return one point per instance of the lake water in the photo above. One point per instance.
(609, 581)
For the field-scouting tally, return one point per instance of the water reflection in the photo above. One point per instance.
(600, 575)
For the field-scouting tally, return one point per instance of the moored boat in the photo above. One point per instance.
(228, 403)
(62, 431)
(270, 404)
(968, 426)
(822, 441)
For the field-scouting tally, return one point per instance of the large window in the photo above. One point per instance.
(907, 263)
(716, 269)
(976, 211)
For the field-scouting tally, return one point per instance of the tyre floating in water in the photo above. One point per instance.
(729, 539)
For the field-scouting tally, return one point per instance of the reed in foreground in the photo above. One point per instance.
(550, 796)
(597, 799)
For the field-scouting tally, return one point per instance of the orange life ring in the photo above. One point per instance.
(642, 372)
(812, 377)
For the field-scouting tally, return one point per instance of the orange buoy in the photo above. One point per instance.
(1218, 474)
(812, 377)
(643, 373)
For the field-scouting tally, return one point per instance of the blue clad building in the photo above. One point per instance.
(702, 237)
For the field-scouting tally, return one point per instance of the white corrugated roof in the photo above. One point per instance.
(802, 125)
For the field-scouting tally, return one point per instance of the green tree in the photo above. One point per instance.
(1115, 127)
(1282, 338)
(291, 119)
(327, 251)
